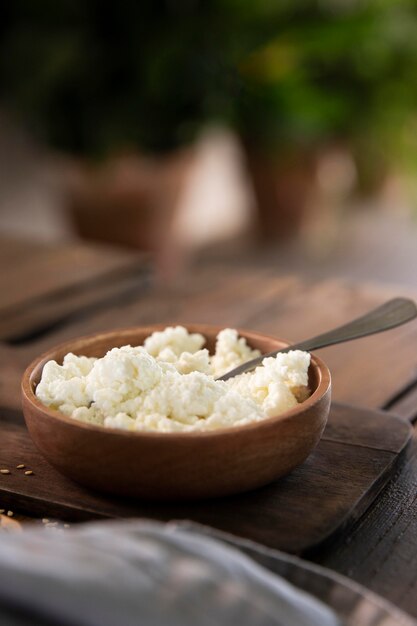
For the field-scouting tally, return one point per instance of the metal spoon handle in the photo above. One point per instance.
(389, 315)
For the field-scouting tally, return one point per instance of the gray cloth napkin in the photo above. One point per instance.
(138, 572)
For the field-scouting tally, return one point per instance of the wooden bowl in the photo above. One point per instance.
(174, 465)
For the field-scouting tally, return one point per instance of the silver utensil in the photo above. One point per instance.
(389, 315)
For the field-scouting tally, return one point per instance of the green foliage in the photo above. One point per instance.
(94, 77)
(336, 74)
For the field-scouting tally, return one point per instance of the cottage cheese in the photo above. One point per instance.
(168, 384)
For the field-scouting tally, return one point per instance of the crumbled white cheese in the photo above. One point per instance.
(266, 389)
(198, 362)
(173, 340)
(231, 351)
(64, 386)
(168, 384)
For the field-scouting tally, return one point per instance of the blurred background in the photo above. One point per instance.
(282, 130)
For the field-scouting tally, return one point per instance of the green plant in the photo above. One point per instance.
(95, 77)
(327, 74)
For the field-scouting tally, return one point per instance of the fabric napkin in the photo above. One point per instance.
(139, 572)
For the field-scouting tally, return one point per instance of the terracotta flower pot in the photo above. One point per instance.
(131, 200)
(282, 187)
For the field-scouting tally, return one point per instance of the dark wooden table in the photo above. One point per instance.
(52, 293)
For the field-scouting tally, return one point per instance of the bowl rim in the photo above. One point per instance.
(29, 395)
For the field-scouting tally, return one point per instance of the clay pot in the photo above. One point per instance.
(131, 200)
(282, 187)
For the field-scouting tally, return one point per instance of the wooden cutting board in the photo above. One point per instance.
(336, 484)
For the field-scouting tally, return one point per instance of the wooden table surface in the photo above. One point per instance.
(51, 293)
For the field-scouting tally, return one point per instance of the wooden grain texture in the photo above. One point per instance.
(354, 604)
(33, 319)
(406, 406)
(30, 270)
(362, 370)
(49, 284)
(404, 401)
(380, 550)
(333, 487)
